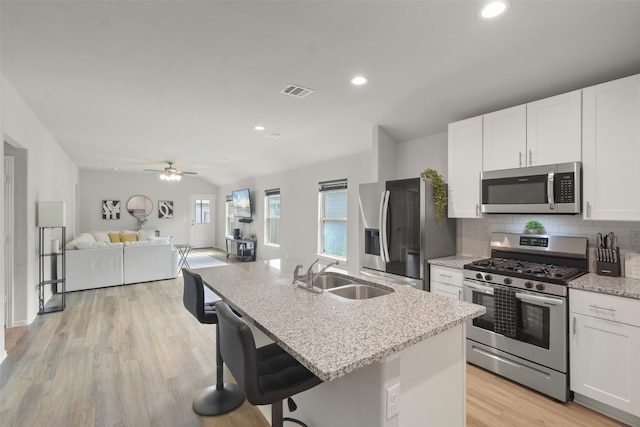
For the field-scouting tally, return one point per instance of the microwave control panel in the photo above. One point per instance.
(565, 188)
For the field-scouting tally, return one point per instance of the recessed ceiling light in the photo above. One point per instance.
(493, 8)
(359, 80)
(258, 127)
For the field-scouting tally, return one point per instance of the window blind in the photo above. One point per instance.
(338, 184)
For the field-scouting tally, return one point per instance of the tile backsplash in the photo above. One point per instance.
(474, 234)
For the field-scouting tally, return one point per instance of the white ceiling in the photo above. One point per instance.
(131, 84)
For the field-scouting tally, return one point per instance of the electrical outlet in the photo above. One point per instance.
(635, 239)
(393, 401)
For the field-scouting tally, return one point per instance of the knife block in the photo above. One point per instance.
(606, 268)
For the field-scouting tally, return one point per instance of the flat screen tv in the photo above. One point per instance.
(241, 203)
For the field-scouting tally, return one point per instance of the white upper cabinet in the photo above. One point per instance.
(611, 150)
(554, 131)
(464, 168)
(543, 132)
(505, 139)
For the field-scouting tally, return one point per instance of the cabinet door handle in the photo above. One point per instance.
(530, 158)
(597, 307)
(588, 210)
(520, 158)
(477, 209)
(460, 294)
(575, 327)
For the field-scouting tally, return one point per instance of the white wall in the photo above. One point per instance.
(96, 186)
(383, 156)
(299, 208)
(3, 353)
(415, 156)
(50, 176)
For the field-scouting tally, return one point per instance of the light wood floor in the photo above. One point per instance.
(133, 356)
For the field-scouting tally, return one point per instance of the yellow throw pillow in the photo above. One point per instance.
(128, 237)
(114, 237)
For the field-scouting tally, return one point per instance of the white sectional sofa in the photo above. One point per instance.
(94, 268)
(95, 264)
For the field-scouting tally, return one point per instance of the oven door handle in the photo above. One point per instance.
(535, 299)
(480, 288)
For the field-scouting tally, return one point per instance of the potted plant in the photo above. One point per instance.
(141, 221)
(439, 192)
(534, 227)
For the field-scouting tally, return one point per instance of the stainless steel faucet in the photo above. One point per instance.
(311, 278)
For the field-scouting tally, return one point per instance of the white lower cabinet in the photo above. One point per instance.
(605, 352)
(446, 281)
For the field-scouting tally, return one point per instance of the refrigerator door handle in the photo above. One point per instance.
(384, 211)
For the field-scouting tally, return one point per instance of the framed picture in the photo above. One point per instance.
(165, 209)
(111, 209)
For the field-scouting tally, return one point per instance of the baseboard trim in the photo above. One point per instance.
(607, 410)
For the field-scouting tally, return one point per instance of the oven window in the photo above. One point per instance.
(532, 321)
(486, 320)
(533, 324)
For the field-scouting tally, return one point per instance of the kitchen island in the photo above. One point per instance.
(360, 348)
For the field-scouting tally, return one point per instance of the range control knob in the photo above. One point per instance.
(488, 277)
(528, 285)
(478, 275)
(540, 287)
(507, 280)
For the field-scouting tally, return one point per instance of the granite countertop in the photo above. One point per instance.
(454, 261)
(328, 334)
(619, 286)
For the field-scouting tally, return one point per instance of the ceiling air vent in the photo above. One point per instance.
(273, 135)
(297, 91)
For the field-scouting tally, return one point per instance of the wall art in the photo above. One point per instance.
(111, 209)
(165, 209)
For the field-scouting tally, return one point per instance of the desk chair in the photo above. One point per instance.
(268, 374)
(222, 397)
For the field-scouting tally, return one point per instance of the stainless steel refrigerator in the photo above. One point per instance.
(399, 232)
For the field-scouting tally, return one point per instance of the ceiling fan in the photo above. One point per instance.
(170, 173)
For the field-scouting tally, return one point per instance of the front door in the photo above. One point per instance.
(201, 231)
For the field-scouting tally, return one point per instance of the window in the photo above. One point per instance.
(333, 218)
(203, 211)
(230, 217)
(272, 217)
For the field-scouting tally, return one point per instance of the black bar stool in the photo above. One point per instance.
(222, 397)
(268, 374)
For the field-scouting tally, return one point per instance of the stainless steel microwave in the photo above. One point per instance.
(549, 189)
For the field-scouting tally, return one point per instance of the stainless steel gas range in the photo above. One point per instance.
(523, 335)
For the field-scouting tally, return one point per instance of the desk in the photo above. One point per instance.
(244, 249)
(183, 251)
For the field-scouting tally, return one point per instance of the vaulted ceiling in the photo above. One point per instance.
(132, 84)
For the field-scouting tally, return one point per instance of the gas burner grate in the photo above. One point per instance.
(526, 269)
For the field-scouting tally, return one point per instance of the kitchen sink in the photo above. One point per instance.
(360, 291)
(328, 281)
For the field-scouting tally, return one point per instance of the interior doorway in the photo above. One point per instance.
(201, 212)
(8, 241)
